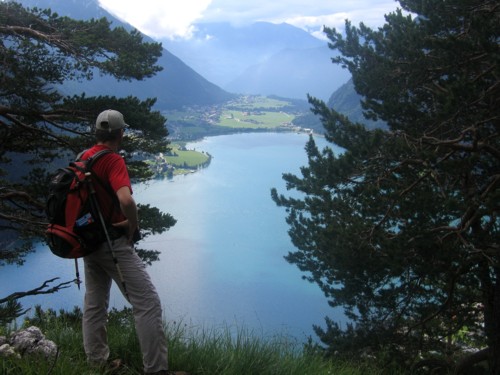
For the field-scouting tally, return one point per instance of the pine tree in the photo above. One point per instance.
(402, 228)
(41, 127)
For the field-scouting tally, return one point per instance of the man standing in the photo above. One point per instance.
(120, 262)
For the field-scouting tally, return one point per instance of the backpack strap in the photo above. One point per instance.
(88, 168)
(92, 159)
(90, 163)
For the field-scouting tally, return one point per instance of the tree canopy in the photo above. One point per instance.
(42, 127)
(402, 228)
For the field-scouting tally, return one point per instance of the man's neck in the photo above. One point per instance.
(112, 145)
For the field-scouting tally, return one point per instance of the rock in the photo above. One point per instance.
(8, 351)
(26, 339)
(47, 348)
(32, 340)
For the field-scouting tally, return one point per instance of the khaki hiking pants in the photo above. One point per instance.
(100, 270)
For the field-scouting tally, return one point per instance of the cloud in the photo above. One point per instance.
(175, 19)
(159, 18)
(314, 24)
(313, 12)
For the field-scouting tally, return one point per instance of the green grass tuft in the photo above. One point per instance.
(197, 350)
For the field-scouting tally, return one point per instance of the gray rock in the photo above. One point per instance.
(32, 340)
(8, 351)
(26, 339)
(47, 348)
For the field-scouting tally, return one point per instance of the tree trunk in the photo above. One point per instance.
(491, 301)
(464, 366)
(494, 360)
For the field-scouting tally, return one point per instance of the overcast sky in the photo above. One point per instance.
(174, 18)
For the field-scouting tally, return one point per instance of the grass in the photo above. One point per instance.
(189, 158)
(244, 113)
(180, 161)
(254, 120)
(197, 350)
(255, 102)
(256, 112)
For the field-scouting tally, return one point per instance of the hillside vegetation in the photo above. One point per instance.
(197, 350)
(244, 113)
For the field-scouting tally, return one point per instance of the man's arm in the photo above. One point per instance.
(129, 209)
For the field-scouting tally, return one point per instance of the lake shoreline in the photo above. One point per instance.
(223, 262)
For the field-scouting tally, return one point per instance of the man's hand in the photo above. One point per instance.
(129, 209)
(124, 226)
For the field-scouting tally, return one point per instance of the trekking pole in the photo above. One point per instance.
(95, 203)
(77, 281)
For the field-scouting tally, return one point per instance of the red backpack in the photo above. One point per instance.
(76, 226)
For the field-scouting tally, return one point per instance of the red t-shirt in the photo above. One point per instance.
(112, 170)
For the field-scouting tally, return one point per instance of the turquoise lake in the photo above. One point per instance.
(222, 263)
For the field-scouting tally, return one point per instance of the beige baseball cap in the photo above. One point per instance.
(110, 120)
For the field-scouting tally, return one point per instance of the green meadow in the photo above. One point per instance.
(256, 119)
(180, 157)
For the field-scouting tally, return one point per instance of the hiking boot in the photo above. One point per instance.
(114, 366)
(108, 367)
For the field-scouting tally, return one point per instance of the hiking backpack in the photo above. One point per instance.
(76, 226)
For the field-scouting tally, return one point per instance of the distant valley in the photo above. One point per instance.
(261, 59)
(220, 64)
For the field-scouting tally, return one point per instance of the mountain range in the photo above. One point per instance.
(262, 59)
(176, 86)
(219, 61)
